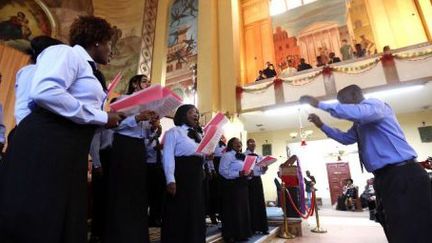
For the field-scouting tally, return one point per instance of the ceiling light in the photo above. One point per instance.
(285, 110)
(395, 91)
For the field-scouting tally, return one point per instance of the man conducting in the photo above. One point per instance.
(403, 188)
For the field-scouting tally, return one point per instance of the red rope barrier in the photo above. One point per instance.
(308, 213)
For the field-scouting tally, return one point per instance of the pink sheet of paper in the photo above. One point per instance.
(266, 161)
(249, 163)
(219, 120)
(210, 140)
(156, 98)
(114, 83)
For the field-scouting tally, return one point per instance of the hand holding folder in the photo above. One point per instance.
(249, 164)
(266, 161)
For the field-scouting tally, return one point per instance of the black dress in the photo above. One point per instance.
(127, 219)
(257, 205)
(183, 219)
(235, 209)
(44, 177)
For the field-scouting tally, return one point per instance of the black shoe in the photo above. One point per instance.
(265, 233)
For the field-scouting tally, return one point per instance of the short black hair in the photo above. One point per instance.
(180, 115)
(40, 43)
(250, 140)
(88, 30)
(230, 145)
(352, 89)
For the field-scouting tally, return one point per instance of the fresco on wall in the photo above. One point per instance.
(20, 21)
(182, 48)
(315, 30)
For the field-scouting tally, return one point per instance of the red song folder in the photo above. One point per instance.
(266, 161)
(210, 140)
(155, 98)
(249, 163)
(219, 120)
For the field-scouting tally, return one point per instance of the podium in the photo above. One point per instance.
(289, 177)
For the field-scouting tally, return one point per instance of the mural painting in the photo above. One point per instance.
(182, 49)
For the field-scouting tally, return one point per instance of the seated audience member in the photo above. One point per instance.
(320, 63)
(346, 50)
(359, 51)
(368, 198)
(261, 76)
(303, 65)
(345, 201)
(333, 58)
(269, 72)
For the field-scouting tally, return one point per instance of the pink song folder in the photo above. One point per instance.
(266, 161)
(114, 82)
(155, 98)
(249, 163)
(219, 120)
(210, 140)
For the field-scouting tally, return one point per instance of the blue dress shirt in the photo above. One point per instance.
(64, 84)
(102, 139)
(379, 132)
(230, 166)
(177, 143)
(22, 91)
(151, 152)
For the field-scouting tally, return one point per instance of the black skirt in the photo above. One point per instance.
(127, 192)
(257, 205)
(43, 182)
(235, 209)
(215, 196)
(184, 214)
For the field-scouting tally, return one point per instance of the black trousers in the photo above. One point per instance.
(184, 214)
(156, 192)
(404, 199)
(43, 181)
(127, 192)
(99, 194)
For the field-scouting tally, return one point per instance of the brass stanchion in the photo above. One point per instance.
(318, 228)
(284, 233)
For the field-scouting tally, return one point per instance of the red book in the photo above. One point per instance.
(266, 161)
(210, 140)
(249, 164)
(156, 98)
(219, 120)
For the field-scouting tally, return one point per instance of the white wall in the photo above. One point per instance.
(316, 154)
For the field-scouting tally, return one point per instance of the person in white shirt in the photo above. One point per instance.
(26, 73)
(236, 225)
(127, 218)
(215, 196)
(183, 219)
(256, 193)
(43, 182)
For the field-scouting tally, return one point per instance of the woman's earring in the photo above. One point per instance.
(97, 44)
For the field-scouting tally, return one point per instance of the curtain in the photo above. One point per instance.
(11, 60)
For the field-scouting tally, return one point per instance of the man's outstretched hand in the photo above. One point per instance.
(307, 99)
(316, 120)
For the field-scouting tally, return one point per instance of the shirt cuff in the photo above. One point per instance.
(101, 117)
(326, 129)
(170, 179)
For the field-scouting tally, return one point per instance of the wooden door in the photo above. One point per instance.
(337, 173)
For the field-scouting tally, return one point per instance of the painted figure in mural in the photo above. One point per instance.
(176, 16)
(191, 44)
(367, 45)
(116, 37)
(191, 7)
(15, 28)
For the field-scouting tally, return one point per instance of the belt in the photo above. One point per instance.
(380, 171)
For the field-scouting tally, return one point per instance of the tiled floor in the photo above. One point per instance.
(353, 227)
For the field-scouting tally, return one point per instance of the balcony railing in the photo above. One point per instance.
(404, 66)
